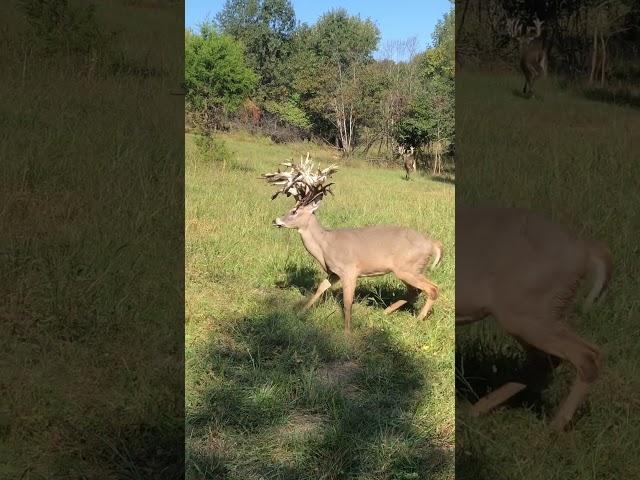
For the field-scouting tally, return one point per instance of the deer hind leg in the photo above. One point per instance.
(531, 79)
(412, 294)
(420, 282)
(544, 64)
(558, 340)
(323, 287)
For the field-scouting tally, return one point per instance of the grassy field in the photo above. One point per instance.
(572, 158)
(90, 284)
(273, 394)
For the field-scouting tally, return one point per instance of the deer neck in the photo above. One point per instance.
(314, 239)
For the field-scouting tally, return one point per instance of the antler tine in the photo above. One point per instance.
(301, 182)
(538, 24)
(514, 27)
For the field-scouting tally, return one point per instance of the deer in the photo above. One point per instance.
(409, 160)
(533, 51)
(347, 254)
(523, 269)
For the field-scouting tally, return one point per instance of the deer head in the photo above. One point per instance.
(402, 150)
(515, 29)
(307, 187)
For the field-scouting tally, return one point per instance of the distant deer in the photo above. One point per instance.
(347, 254)
(524, 270)
(409, 160)
(533, 51)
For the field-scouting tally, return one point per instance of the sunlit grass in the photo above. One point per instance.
(571, 158)
(257, 404)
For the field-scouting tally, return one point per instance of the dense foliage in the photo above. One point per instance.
(321, 80)
(595, 41)
(216, 74)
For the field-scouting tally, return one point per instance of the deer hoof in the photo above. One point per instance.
(560, 423)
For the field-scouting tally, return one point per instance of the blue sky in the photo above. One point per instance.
(396, 19)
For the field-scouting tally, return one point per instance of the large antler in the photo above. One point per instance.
(301, 182)
(538, 25)
(514, 27)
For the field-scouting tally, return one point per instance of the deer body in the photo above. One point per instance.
(409, 160)
(359, 250)
(409, 165)
(524, 270)
(350, 253)
(533, 52)
(533, 62)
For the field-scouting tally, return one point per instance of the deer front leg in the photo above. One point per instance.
(323, 287)
(348, 291)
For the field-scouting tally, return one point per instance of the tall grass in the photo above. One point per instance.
(272, 393)
(573, 159)
(90, 297)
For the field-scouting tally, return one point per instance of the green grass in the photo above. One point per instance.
(275, 394)
(572, 158)
(92, 353)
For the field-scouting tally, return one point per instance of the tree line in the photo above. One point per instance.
(593, 42)
(257, 67)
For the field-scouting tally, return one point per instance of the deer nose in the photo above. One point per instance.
(278, 223)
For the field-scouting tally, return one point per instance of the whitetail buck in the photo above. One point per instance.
(409, 160)
(349, 253)
(533, 51)
(524, 270)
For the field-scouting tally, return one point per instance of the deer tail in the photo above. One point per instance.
(437, 247)
(600, 265)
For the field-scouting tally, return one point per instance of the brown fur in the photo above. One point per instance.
(524, 270)
(347, 254)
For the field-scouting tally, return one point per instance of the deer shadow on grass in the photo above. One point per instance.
(446, 179)
(374, 293)
(305, 279)
(620, 97)
(480, 370)
(517, 92)
(294, 399)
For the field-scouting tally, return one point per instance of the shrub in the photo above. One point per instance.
(58, 24)
(289, 113)
(212, 150)
(216, 74)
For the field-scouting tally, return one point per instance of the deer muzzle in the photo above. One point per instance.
(278, 223)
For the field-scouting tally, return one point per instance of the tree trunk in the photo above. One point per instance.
(604, 59)
(594, 56)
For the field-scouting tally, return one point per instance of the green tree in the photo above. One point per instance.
(330, 70)
(431, 117)
(265, 27)
(217, 78)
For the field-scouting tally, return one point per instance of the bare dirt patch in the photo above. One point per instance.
(301, 424)
(341, 375)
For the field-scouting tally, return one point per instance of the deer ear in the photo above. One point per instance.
(314, 206)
